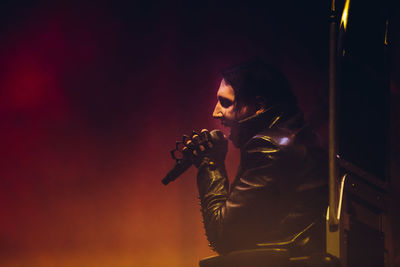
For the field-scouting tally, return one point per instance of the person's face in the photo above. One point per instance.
(227, 110)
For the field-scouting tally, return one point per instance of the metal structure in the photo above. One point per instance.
(358, 228)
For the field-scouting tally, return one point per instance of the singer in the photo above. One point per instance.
(279, 196)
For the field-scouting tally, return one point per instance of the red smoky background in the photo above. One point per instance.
(94, 95)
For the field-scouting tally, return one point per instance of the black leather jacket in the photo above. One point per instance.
(279, 195)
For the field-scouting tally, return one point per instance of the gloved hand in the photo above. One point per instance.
(212, 144)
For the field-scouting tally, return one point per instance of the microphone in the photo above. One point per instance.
(179, 168)
(183, 164)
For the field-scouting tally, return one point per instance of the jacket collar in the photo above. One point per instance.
(268, 119)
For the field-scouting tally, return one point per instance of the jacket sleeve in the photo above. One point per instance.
(232, 219)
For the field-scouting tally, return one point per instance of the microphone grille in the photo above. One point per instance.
(217, 135)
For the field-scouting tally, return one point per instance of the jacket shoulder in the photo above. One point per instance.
(277, 138)
(264, 148)
(271, 146)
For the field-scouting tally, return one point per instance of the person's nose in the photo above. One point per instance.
(217, 113)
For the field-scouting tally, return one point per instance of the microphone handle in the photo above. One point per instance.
(179, 168)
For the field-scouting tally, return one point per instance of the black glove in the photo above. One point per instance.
(212, 145)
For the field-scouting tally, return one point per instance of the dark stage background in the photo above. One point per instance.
(93, 97)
